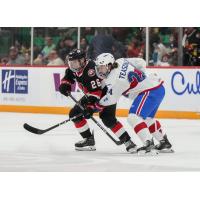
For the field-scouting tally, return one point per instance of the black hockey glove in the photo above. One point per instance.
(65, 89)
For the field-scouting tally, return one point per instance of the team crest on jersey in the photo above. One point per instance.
(91, 72)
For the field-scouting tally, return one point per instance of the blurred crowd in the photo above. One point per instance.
(120, 41)
(164, 46)
(191, 46)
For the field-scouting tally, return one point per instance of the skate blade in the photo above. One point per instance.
(132, 151)
(166, 151)
(88, 148)
(153, 152)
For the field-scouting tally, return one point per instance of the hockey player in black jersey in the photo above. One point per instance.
(81, 70)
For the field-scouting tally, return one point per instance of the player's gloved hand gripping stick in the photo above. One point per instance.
(42, 131)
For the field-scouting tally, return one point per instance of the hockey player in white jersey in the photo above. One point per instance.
(126, 76)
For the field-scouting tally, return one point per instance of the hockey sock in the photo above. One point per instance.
(120, 132)
(83, 128)
(155, 129)
(140, 127)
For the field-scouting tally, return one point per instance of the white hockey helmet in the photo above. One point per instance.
(102, 64)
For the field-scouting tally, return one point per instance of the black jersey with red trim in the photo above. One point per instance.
(87, 79)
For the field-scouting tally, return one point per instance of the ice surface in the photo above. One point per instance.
(54, 151)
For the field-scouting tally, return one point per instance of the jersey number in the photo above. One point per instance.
(95, 84)
(136, 75)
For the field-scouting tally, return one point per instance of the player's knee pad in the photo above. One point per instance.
(109, 122)
(134, 119)
(75, 114)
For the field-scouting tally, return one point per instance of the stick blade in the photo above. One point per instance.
(32, 129)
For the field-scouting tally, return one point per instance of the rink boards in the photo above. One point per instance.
(35, 90)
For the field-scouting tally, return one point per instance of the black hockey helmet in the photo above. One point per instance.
(76, 54)
(76, 60)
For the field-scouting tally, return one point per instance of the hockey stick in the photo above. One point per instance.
(40, 131)
(96, 122)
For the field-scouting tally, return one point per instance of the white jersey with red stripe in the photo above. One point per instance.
(129, 79)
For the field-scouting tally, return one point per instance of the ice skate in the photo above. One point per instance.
(87, 144)
(164, 146)
(147, 149)
(131, 147)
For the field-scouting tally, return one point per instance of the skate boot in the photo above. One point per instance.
(148, 148)
(164, 146)
(131, 147)
(87, 144)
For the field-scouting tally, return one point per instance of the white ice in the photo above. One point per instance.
(54, 151)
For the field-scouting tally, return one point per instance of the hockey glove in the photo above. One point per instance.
(65, 89)
(91, 109)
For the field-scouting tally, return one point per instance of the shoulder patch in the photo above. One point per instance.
(91, 72)
(131, 76)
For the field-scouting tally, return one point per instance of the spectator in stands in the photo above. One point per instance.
(66, 46)
(84, 44)
(191, 45)
(101, 43)
(36, 51)
(164, 61)
(88, 33)
(141, 54)
(4, 60)
(54, 59)
(134, 49)
(159, 51)
(49, 46)
(172, 50)
(25, 48)
(154, 38)
(39, 60)
(14, 57)
(60, 45)
(27, 59)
